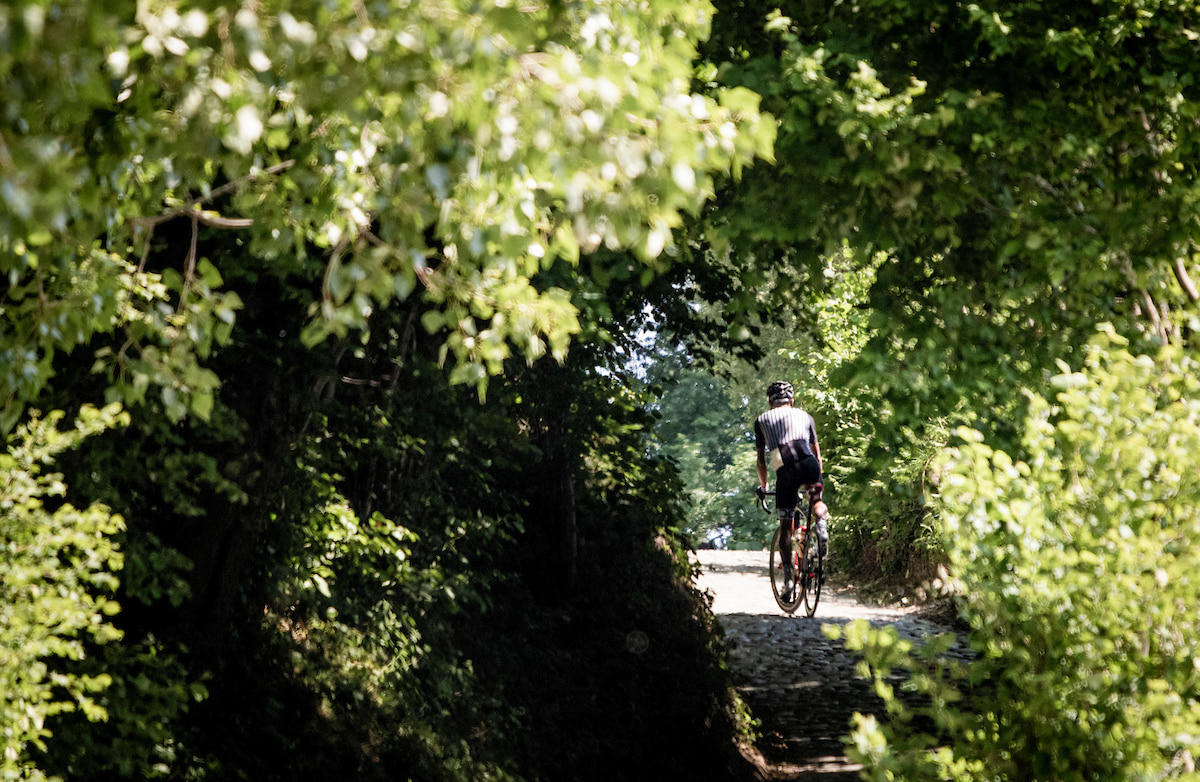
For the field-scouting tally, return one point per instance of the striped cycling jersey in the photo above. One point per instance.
(784, 424)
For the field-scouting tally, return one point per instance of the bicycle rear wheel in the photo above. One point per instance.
(787, 595)
(813, 572)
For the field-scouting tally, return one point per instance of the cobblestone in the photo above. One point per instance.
(802, 687)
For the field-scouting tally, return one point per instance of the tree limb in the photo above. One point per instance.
(1152, 312)
(145, 248)
(6, 161)
(189, 264)
(1185, 281)
(216, 221)
(228, 187)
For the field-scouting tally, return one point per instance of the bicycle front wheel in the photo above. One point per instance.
(787, 592)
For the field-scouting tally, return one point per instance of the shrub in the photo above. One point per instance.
(1079, 567)
(56, 587)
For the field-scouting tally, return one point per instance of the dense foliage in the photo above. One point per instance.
(440, 147)
(1079, 568)
(300, 243)
(53, 609)
(1028, 172)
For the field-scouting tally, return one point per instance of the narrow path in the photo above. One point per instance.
(802, 687)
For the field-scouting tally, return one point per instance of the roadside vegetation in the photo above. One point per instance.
(333, 447)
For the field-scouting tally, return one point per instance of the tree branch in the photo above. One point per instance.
(145, 248)
(189, 264)
(1185, 281)
(335, 259)
(6, 161)
(1152, 313)
(217, 221)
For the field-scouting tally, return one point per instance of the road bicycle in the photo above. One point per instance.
(807, 565)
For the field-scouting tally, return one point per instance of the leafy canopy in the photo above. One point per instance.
(449, 147)
(1029, 170)
(178, 178)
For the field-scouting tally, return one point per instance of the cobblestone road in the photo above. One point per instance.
(801, 686)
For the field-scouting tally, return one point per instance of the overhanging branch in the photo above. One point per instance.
(1185, 281)
(214, 220)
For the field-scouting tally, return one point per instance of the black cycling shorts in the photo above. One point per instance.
(791, 477)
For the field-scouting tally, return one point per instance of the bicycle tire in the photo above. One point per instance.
(813, 570)
(787, 599)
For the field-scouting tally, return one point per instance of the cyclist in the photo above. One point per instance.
(787, 436)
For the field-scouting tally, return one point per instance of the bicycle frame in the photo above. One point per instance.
(806, 568)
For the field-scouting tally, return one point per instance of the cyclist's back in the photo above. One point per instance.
(782, 426)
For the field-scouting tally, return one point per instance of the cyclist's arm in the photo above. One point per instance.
(761, 462)
(816, 447)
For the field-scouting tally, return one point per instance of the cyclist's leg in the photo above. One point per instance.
(785, 547)
(811, 477)
(787, 494)
(821, 512)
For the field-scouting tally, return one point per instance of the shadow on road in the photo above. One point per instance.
(802, 687)
(746, 568)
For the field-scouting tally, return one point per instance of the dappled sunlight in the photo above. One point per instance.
(803, 686)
